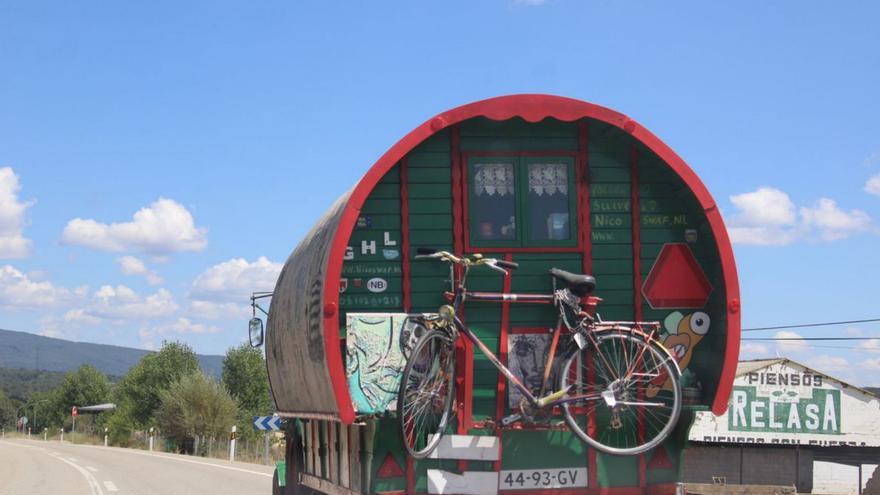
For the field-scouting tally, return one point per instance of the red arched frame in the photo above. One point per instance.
(532, 108)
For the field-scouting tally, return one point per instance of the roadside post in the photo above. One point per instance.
(29, 432)
(266, 424)
(73, 430)
(266, 447)
(62, 434)
(105, 435)
(232, 436)
(151, 439)
(45, 434)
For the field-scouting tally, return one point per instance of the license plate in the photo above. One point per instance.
(530, 479)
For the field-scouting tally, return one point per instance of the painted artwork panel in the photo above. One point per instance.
(376, 348)
(527, 353)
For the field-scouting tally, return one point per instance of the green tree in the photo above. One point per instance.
(138, 394)
(244, 375)
(120, 424)
(195, 406)
(86, 386)
(7, 412)
(47, 409)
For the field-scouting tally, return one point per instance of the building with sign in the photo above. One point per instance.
(787, 424)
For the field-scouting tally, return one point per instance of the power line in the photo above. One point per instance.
(806, 325)
(812, 338)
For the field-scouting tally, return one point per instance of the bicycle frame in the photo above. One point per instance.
(460, 294)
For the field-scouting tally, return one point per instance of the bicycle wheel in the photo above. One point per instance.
(427, 387)
(626, 395)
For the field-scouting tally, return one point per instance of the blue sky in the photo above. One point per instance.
(234, 127)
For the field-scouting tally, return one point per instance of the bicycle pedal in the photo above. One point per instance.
(508, 420)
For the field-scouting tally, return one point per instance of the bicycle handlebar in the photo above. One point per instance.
(477, 259)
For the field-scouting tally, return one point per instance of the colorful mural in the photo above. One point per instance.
(681, 335)
(375, 359)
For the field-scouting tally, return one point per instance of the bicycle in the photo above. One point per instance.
(613, 385)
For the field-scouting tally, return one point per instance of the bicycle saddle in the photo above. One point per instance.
(579, 285)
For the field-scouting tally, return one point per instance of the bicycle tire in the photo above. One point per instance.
(432, 359)
(653, 423)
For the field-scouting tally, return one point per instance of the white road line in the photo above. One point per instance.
(93, 483)
(90, 468)
(110, 486)
(180, 459)
(94, 486)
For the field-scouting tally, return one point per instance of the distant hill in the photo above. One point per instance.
(27, 351)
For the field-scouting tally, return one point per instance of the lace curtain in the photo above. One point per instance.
(494, 178)
(548, 178)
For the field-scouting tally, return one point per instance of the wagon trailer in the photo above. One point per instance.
(541, 181)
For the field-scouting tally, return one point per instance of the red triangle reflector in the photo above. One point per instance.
(389, 468)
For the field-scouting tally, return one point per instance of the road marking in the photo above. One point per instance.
(93, 483)
(110, 486)
(178, 459)
(94, 486)
(90, 468)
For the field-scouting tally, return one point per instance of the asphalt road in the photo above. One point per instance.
(37, 467)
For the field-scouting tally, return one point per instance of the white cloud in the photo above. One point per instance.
(216, 311)
(790, 346)
(222, 291)
(834, 223)
(765, 217)
(17, 290)
(179, 327)
(870, 364)
(162, 228)
(768, 217)
(872, 186)
(234, 280)
(134, 266)
(120, 304)
(13, 244)
(828, 364)
(755, 348)
(766, 206)
(872, 346)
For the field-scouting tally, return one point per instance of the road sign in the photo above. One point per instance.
(73, 411)
(263, 423)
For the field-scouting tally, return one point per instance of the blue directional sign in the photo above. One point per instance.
(263, 423)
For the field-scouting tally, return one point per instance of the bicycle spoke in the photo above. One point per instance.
(425, 397)
(627, 405)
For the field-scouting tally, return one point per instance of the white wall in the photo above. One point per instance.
(830, 477)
